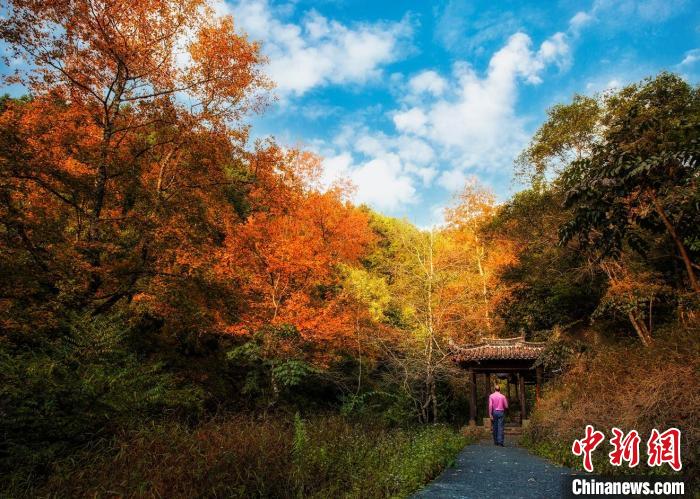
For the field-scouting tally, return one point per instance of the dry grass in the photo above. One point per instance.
(242, 457)
(628, 387)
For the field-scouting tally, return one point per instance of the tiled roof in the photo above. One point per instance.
(498, 349)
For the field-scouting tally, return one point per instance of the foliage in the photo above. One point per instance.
(560, 354)
(393, 408)
(77, 388)
(242, 457)
(115, 172)
(550, 285)
(634, 389)
(157, 264)
(272, 361)
(626, 177)
(642, 176)
(569, 132)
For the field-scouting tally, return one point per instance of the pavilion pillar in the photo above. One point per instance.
(538, 382)
(472, 398)
(521, 389)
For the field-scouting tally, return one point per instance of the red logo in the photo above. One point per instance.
(665, 448)
(626, 448)
(587, 445)
(661, 447)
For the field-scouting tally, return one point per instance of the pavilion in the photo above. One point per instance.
(509, 358)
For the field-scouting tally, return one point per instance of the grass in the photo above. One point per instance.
(244, 457)
(628, 387)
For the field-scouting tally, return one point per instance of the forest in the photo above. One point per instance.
(186, 311)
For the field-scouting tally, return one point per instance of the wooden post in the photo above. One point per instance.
(523, 407)
(472, 398)
(517, 396)
(538, 382)
(487, 392)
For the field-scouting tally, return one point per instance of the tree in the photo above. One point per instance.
(118, 175)
(478, 258)
(287, 256)
(421, 311)
(548, 285)
(130, 115)
(643, 175)
(631, 294)
(367, 295)
(569, 133)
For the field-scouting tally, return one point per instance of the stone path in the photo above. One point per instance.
(484, 471)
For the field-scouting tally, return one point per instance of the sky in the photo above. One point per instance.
(410, 100)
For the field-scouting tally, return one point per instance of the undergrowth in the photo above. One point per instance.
(628, 387)
(243, 457)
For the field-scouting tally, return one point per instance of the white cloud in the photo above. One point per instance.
(436, 218)
(380, 182)
(691, 57)
(556, 50)
(385, 169)
(426, 174)
(474, 125)
(427, 82)
(318, 51)
(603, 83)
(579, 20)
(471, 26)
(452, 180)
(467, 121)
(412, 149)
(413, 120)
(336, 167)
(621, 11)
(616, 14)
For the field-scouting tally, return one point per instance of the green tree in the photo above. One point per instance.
(569, 133)
(642, 176)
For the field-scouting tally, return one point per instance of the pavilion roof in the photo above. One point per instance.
(498, 349)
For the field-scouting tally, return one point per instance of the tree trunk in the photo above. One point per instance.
(523, 400)
(694, 284)
(359, 353)
(641, 330)
(433, 396)
(484, 289)
(111, 114)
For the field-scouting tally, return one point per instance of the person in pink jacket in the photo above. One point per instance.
(498, 403)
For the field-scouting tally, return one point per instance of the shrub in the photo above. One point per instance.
(76, 389)
(628, 387)
(243, 457)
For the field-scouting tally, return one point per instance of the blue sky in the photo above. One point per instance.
(411, 100)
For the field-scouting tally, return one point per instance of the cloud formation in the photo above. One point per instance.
(691, 57)
(618, 13)
(474, 123)
(319, 51)
(466, 120)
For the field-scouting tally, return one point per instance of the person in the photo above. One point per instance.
(498, 403)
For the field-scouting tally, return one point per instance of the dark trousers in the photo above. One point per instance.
(497, 427)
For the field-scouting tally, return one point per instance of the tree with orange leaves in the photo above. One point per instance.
(124, 162)
(477, 259)
(287, 255)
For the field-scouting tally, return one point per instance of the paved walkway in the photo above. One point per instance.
(484, 471)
